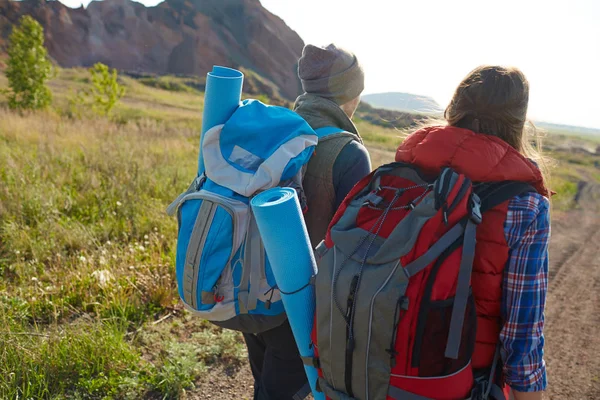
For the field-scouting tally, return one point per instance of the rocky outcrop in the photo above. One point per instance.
(175, 37)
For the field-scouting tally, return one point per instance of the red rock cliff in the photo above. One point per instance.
(175, 37)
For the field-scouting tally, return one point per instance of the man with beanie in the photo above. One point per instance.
(333, 80)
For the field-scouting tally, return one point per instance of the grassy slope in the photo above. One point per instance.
(88, 305)
(87, 251)
(573, 161)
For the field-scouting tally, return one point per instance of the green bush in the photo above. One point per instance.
(106, 90)
(29, 68)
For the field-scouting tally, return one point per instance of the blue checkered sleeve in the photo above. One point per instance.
(527, 231)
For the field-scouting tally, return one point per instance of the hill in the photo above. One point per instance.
(403, 102)
(185, 37)
(568, 129)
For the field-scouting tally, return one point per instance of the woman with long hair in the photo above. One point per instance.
(485, 139)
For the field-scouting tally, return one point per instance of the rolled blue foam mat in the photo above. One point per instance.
(281, 225)
(222, 97)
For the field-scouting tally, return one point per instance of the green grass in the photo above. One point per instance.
(87, 250)
(83, 235)
(82, 361)
(566, 190)
(86, 259)
(575, 159)
(379, 137)
(172, 84)
(88, 301)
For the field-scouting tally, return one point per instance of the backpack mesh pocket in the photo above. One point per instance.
(435, 330)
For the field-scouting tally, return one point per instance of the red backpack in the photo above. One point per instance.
(395, 315)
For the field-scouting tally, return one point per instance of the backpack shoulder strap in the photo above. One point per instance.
(331, 142)
(494, 194)
(330, 132)
(327, 131)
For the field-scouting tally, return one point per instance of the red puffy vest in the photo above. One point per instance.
(482, 158)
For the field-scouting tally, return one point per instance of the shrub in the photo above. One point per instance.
(106, 90)
(29, 67)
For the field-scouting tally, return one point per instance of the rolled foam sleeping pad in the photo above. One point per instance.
(222, 96)
(282, 229)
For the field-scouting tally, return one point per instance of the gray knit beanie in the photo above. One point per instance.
(331, 72)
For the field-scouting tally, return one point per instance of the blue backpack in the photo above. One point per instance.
(223, 273)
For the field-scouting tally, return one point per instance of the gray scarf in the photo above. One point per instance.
(320, 112)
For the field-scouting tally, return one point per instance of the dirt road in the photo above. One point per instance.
(573, 303)
(572, 314)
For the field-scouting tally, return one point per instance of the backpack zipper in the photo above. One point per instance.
(350, 336)
(354, 286)
(196, 255)
(398, 315)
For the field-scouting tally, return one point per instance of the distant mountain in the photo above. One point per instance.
(567, 129)
(184, 37)
(403, 102)
(389, 118)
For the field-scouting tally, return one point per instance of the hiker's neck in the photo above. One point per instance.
(350, 107)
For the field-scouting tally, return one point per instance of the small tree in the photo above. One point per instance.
(105, 91)
(28, 68)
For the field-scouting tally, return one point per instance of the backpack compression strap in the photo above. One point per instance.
(461, 298)
(487, 197)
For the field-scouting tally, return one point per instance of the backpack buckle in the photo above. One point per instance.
(476, 209)
(372, 199)
(199, 182)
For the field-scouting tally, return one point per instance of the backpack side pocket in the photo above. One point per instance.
(209, 230)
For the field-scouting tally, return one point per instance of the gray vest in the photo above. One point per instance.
(318, 185)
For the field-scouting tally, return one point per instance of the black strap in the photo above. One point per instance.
(496, 193)
(496, 393)
(310, 282)
(331, 392)
(303, 392)
(464, 188)
(349, 336)
(442, 186)
(492, 376)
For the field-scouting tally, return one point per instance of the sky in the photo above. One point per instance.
(427, 47)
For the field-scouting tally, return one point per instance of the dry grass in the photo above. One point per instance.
(88, 303)
(86, 253)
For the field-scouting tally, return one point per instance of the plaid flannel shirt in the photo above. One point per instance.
(527, 231)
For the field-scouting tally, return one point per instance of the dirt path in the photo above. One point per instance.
(572, 313)
(223, 384)
(573, 304)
